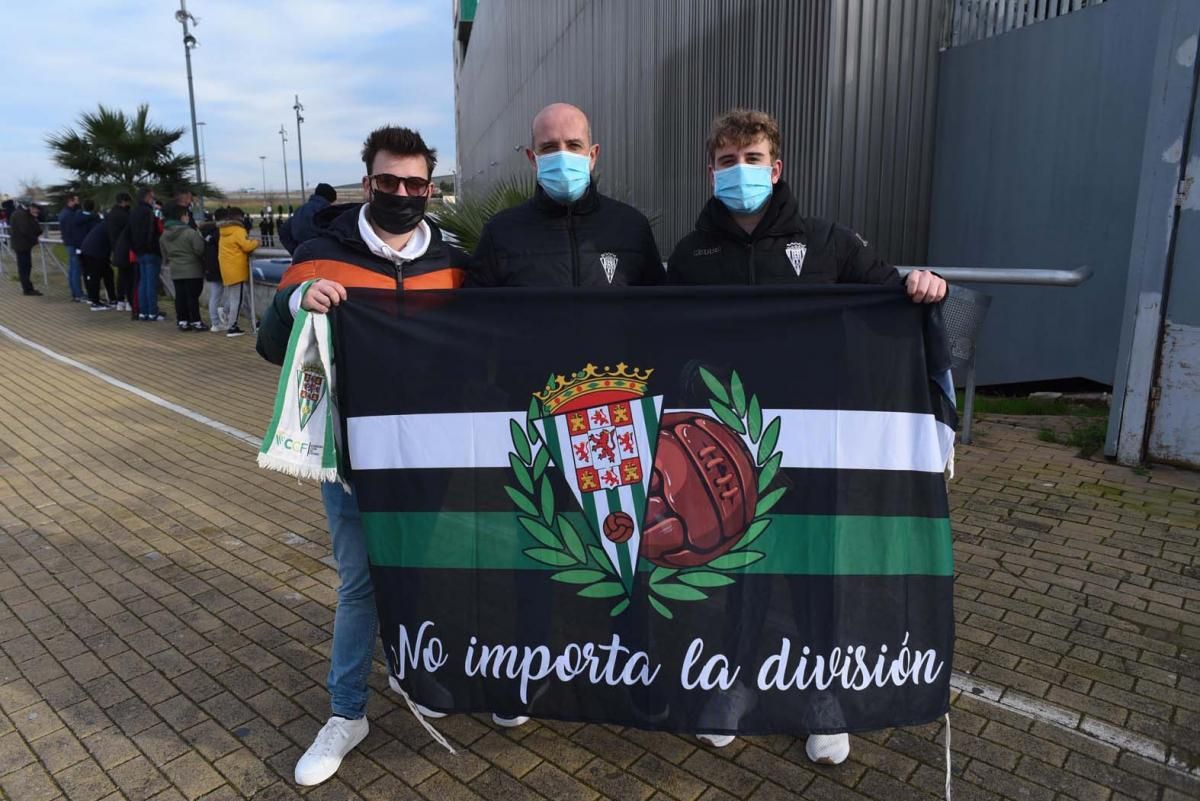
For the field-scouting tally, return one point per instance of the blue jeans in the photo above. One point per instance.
(355, 622)
(149, 265)
(74, 272)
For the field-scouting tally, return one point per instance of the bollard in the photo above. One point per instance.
(45, 275)
(253, 311)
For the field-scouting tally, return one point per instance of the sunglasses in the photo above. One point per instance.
(386, 182)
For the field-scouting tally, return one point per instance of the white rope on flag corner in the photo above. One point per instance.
(412, 707)
(949, 789)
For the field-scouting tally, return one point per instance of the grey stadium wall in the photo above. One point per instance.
(852, 82)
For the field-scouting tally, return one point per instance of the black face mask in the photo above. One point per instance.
(397, 214)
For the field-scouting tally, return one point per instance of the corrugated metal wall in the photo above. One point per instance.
(1040, 144)
(852, 82)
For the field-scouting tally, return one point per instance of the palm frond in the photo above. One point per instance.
(463, 221)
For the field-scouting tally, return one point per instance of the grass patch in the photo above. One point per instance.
(999, 404)
(1088, 437)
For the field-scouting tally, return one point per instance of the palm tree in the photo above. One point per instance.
(114, 152)
(464, 220)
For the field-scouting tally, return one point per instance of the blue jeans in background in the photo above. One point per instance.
(355, 623)
(74, 272)
(149, 266)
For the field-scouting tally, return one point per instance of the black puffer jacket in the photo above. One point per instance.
(594, 242)
(143, 230)
(24, 230)
(785, 248)
(117, 222)
(338, 253)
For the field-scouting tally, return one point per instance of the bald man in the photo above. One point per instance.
(568, 234)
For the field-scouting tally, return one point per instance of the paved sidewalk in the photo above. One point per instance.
(166, 610)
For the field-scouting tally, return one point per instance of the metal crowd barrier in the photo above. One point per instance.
(964, 310)
(1008, 275)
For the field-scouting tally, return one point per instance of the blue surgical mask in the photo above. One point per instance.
(743, 188)
(565, 176)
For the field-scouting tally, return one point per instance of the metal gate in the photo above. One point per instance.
(1175, 399)
(1156, 395)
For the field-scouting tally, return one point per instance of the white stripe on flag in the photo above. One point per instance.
(809, 438)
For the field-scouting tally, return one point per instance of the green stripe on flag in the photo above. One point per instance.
(833, 545)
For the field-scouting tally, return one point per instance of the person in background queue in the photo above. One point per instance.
(144, 234)
(183, 253)
(117, 223)
(94, 250)
(24, 230)
(71, 240)
(233, 252)
(299, 227)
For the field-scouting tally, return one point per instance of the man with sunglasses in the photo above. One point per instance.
(385, 243)
(568, 234)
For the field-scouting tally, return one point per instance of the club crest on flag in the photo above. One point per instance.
(310, 389)
(795, 252)
(686, 494)
(600, 431)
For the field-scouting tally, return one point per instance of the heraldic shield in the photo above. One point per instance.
(601, 432)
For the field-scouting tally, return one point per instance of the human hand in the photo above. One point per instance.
(925, 287)
(322, 295)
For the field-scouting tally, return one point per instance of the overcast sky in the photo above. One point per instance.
(356, 64)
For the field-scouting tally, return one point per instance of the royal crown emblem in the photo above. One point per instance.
(609, 262)
(795, 252)
(622, 380)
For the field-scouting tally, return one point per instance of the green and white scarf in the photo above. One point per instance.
(300, 440)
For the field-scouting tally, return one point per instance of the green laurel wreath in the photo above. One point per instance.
(559, 543)
(730, 405)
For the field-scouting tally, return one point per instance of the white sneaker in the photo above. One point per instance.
(430, 713)
(827, 749)
(510, 723)
(716, 740)
(335, 739)
(218, 329)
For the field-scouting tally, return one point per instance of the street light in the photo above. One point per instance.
(203, 158)
(182, 16)
(283, 144)
(263, 159)
(300, 144)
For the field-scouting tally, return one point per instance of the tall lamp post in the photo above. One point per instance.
(263, 160)
(300, 144)
(182, 17)
(203, 157)
(283, 144)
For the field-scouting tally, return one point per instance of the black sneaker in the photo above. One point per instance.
(182, 326)
(199, 326)
(32, 293)
(100, 307)
(155, 318)
(234, 332)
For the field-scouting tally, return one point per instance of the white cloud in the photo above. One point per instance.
(356, 64)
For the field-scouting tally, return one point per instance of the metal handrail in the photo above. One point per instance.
(1008, 275)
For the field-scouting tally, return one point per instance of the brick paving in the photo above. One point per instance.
(166, 612)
